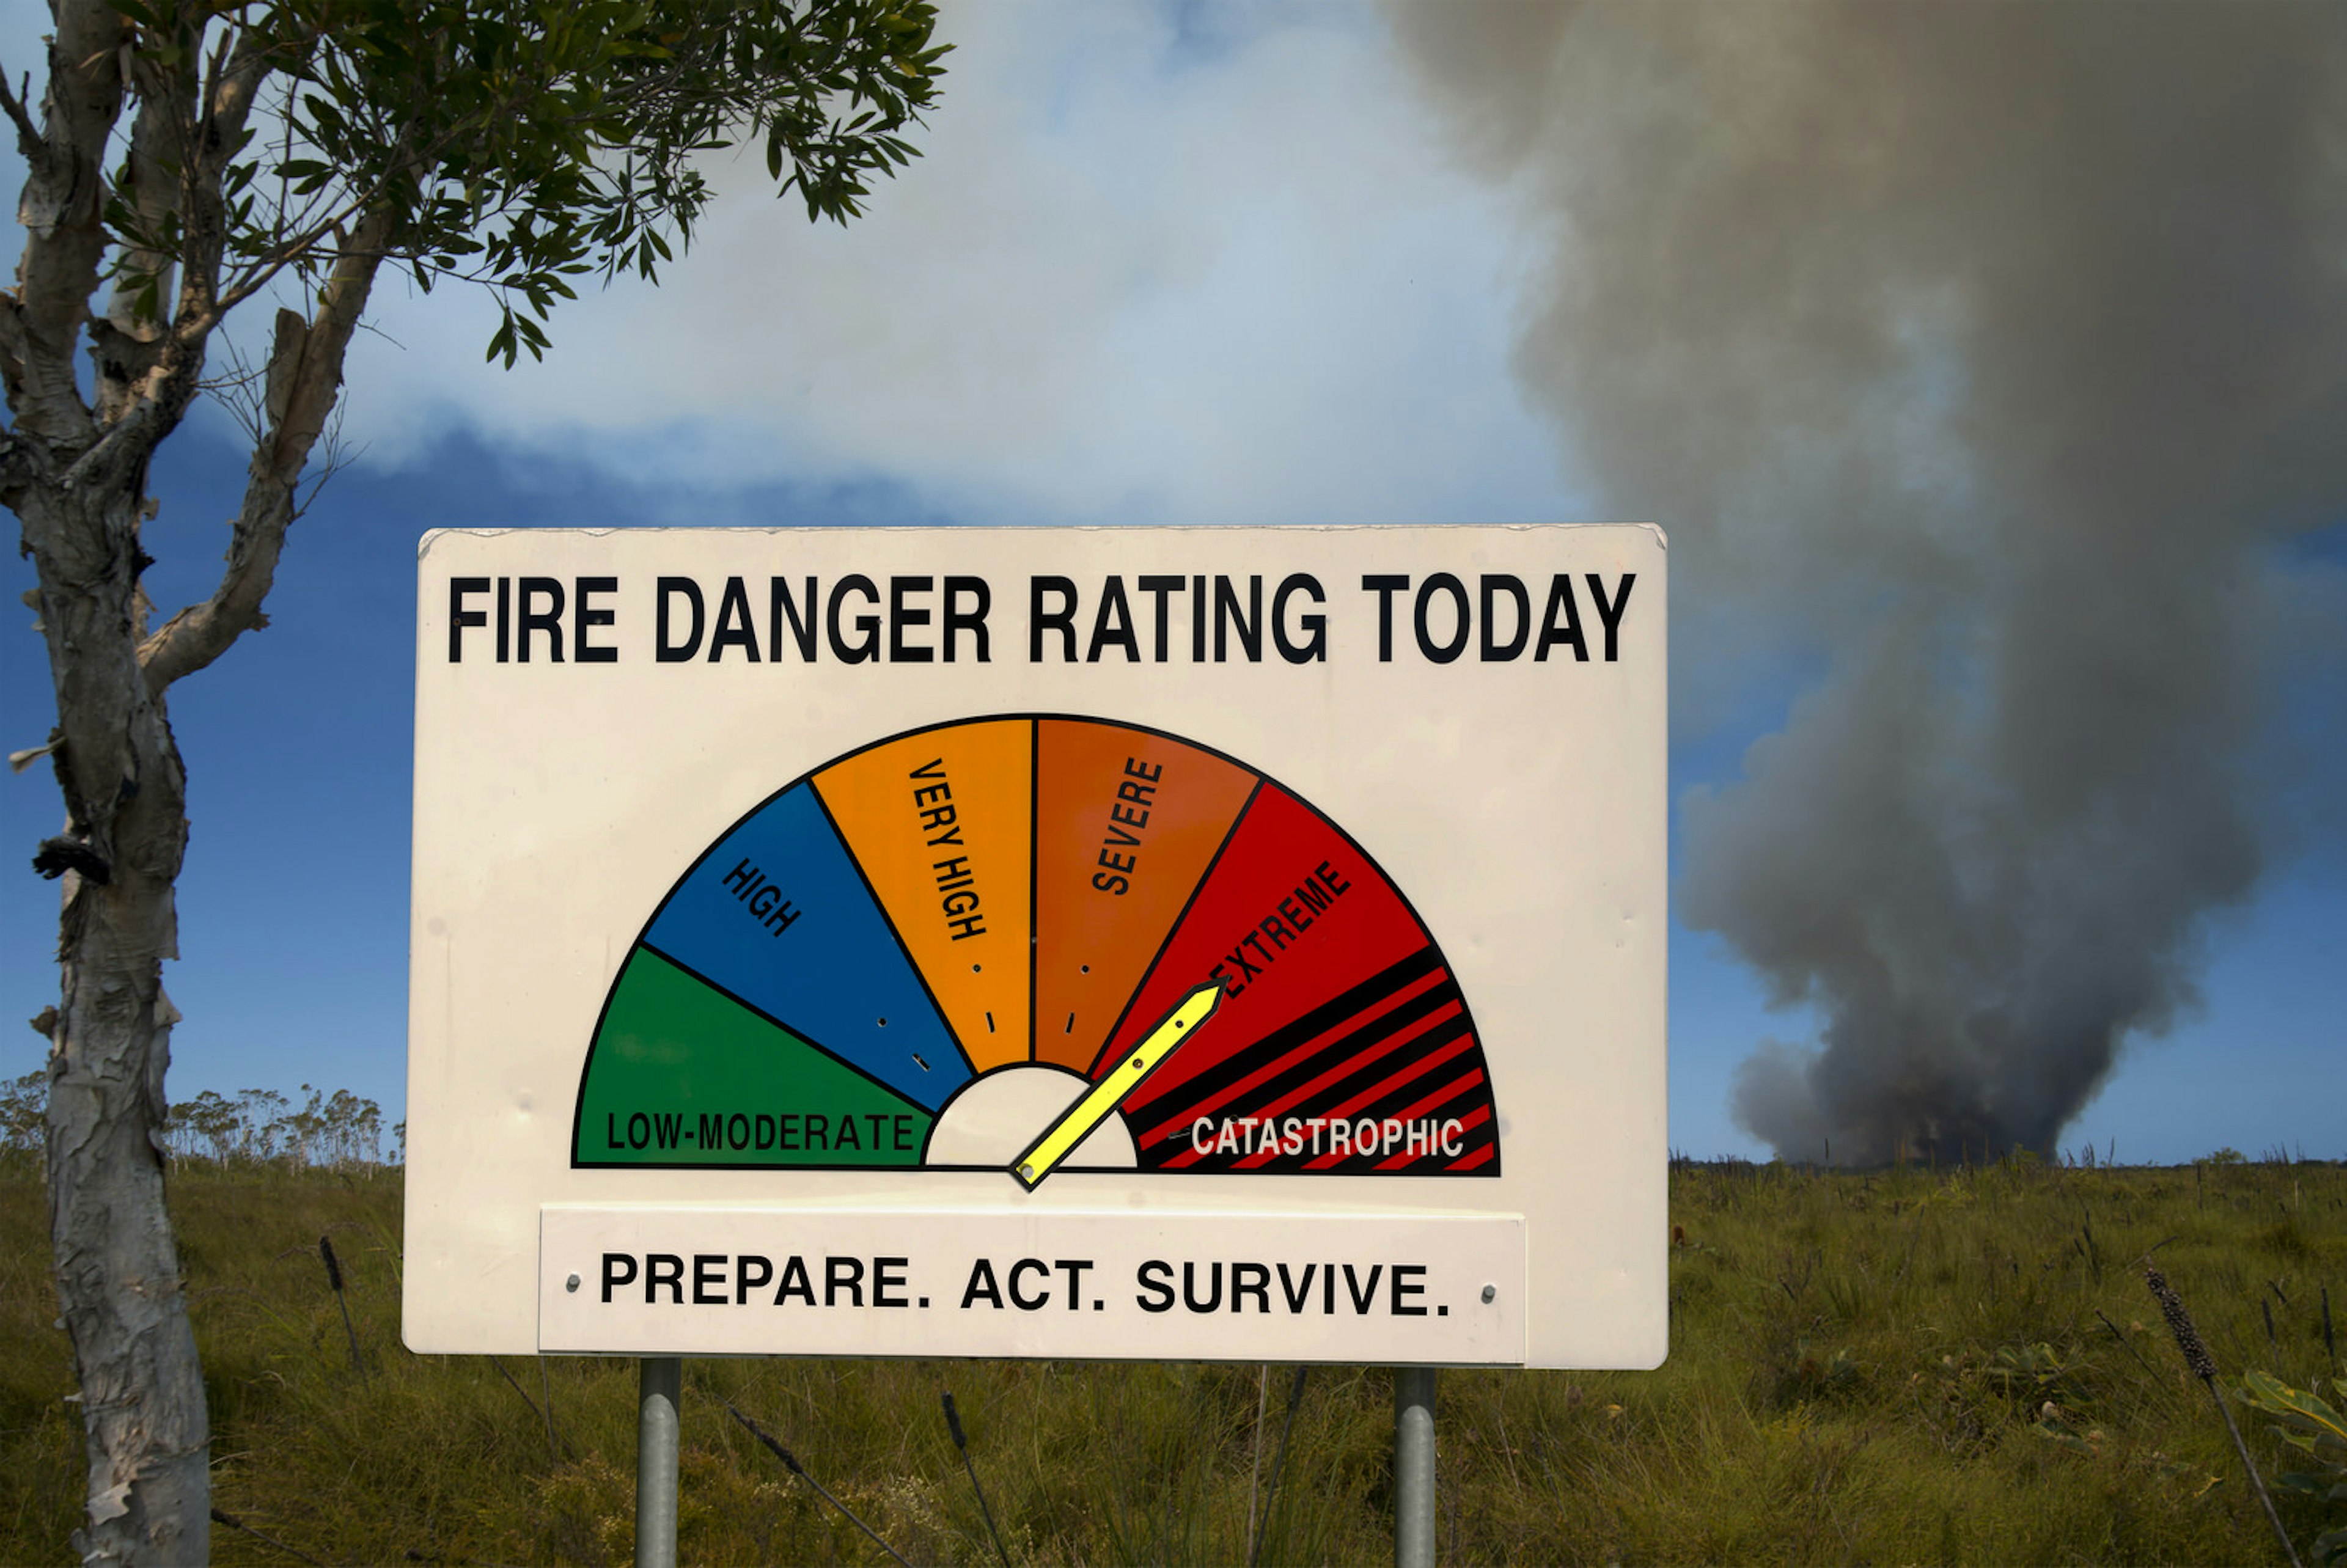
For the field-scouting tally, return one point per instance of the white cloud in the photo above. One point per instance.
(1143, 273)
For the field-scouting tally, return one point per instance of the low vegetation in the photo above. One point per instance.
(258, 1126)
(1907, 1366)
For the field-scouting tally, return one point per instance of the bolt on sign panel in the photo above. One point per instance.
(1257, 932)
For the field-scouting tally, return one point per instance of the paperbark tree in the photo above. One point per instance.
(191, 156)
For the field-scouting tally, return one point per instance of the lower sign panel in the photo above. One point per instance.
(1400, 1289)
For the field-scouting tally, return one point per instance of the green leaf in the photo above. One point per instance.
(2303, 1410)
(526, 142)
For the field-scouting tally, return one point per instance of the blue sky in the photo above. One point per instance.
(1160, 265)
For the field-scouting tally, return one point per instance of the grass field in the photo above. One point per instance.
(1909, 1367)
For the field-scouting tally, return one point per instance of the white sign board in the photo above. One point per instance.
(1216, 943)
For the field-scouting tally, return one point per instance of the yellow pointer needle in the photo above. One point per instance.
(1043, 1156)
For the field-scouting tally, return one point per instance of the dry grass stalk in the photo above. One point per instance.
(2204, 1366)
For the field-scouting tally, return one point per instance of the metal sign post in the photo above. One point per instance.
(1413, 1467)
(660, 1393)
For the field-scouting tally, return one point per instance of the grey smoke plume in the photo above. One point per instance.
(1990, 350)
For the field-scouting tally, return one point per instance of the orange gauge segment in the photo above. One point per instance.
(1126, 822)
(940, 823)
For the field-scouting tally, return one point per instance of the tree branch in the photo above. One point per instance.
(128, 342)
(28, 134)
(230, 100)
(63, 209)
(216, 135)
(12, 346)
(303, 382)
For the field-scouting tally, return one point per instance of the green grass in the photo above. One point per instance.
(1908, 1366)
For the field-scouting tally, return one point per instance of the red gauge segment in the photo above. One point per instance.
(1339, 1015)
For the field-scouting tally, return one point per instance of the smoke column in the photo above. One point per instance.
(1987, 353)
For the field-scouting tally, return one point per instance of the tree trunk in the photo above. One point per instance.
(78, 484)
(143, 1409)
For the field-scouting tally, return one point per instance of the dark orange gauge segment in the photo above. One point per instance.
(1126, 823)
(938, 822)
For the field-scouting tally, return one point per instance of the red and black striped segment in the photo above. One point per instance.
(1338, 1008)
(1397, 1048)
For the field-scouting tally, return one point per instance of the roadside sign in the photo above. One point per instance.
(1233, 944)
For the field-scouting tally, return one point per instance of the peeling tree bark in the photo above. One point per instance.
(74, 474)
(117, 1270)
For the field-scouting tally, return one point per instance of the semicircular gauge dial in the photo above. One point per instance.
(1037, 944)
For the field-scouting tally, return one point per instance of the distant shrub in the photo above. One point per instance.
(260, 1126)
(24, 1111)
